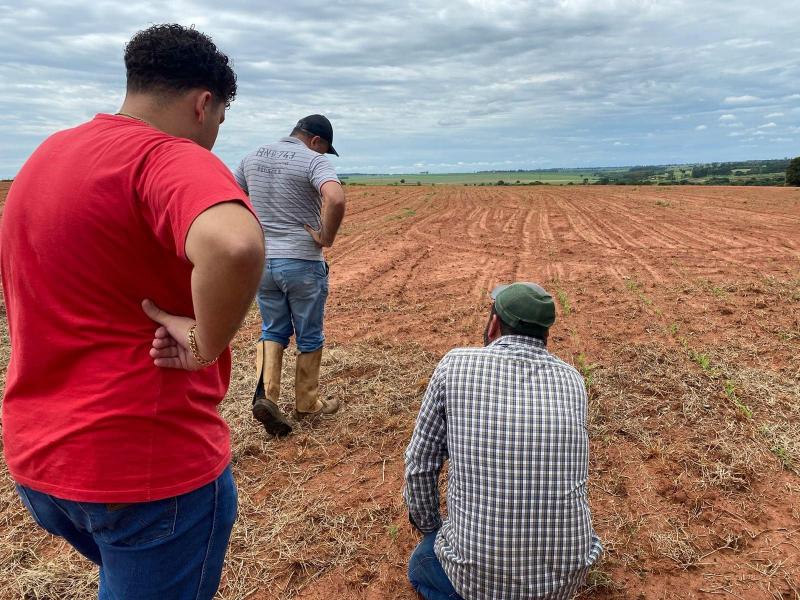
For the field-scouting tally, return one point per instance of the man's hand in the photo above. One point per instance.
(320, 237)
(171, 340)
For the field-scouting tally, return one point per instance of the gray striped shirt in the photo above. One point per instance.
(511, 418)
(283, 181)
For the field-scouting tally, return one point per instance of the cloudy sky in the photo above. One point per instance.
(453, 85)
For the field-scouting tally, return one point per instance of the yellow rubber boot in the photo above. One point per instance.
(269, 359)
(306, 387)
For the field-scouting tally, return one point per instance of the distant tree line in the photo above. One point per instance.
(750, 167)
(793, 172)
(752, 172)
(553, 170)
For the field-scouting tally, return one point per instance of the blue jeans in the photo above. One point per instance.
(291, 299)
(167, 549)
(426, 574)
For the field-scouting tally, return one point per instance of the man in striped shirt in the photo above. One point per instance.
(298, 199)
(511, 419)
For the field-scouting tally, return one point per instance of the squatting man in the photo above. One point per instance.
(511, 419)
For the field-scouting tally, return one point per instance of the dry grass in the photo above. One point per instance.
(33, 564)
(303, 508)
(679, 471)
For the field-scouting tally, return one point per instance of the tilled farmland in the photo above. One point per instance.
(680, 306)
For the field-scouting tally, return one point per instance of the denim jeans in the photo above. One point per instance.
(426, 574)
(167, 549)
(291, 299)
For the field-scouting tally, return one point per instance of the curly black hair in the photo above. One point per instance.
(172, 58)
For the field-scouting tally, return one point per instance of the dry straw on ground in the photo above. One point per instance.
(688, 449)
(296, 520)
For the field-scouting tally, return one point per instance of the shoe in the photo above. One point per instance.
(269, 359)
(329, 407)
(271, 417)
(306, 388)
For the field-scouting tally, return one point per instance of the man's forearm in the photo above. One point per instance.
(222, 292)
(422, 499)
(333, 208)
(226, 246)
(425, 456)
(332, 216)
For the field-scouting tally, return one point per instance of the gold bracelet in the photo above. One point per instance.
(204, 362)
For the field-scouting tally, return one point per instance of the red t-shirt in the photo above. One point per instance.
(94, 223)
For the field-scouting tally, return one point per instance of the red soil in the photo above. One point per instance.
(703, 269)
(417, 263)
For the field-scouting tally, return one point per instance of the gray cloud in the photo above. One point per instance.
(457, 85)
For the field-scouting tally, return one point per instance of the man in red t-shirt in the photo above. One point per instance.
(112, 230)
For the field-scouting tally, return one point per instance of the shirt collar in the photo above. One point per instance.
(291, 140)
(519, 340)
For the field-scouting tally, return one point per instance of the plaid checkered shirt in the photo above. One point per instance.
(511, 419)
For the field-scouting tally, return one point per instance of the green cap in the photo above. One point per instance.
(524, 306)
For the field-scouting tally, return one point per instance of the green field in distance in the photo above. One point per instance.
(575, 176)
(752, 172)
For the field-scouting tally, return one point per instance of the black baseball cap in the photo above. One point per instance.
(318, 125)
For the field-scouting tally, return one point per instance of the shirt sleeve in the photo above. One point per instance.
(178, 181)
(426, 454)
(320, 171)
(238, 174)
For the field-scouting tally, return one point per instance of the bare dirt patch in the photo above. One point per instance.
(681, 306)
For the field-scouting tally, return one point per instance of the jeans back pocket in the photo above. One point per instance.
(133, 524)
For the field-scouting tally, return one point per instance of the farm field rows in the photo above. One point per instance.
(681, 307)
